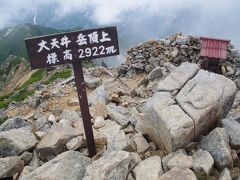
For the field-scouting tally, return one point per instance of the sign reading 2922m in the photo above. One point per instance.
(72, 46)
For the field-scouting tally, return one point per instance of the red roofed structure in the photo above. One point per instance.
(213, 50)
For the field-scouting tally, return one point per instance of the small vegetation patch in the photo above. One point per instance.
(37, 76)
(63, 74)
(2, 120)
(21, 95)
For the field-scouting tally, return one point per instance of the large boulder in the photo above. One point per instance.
(55, 141)
(16, 141)
(9, 166)
(207, 98)
(177, 79)
(166, 123)
(68, 165)
(202, 98)
(113, 165)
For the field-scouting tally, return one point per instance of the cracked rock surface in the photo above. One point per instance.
(175, 119)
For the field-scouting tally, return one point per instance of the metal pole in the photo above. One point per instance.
(82, 96)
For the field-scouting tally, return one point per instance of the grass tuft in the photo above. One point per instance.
(63, 74)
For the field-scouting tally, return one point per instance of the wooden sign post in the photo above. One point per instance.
(74, 47)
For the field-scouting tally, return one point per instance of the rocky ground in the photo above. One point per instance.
(160, 116)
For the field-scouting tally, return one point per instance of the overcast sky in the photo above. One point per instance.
(141, 18)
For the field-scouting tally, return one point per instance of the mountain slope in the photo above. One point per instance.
(12, 39)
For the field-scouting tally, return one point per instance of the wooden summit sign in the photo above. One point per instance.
(74, 47)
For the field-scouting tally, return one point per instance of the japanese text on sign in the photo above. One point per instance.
(79, 45)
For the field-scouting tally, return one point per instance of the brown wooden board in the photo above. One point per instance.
(73, 46)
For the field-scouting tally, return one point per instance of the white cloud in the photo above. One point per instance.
(218, 18)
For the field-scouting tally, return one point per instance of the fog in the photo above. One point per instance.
(137, 20)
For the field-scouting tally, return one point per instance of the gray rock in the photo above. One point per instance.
(177, 79)
(92, 82)
(237, 82)
(14, 123)
(120, 142)
(202, 164)
(70, 116)
(180, 161)
(174, 53)
(43, 107)
(26, 171)
(139, 66)
(75, 143)
(225, 175)
(199, 104)
(40, 134)
(166, 42)
(155, 74)
(9, 166)
(140, 142)
(102, 93)
(119, 114)
(109, 130)
(34, 101)
(206, 98)
(168, 157)
(99, 122)
(168, 66)
(114, 165)
(42, 124)
(34, 163)
(236, 102)
(96, 72)
(52, 119)
(178, 174)
(183, 40)
(149, 68)
(70, 164)
(55, 141)
(16, 141)
(130, 176)
(160, 122)
(99, 109)
(57, 110)
(149, 169)
(232, 125)
(217, 144)
(26, 157)
(153, 61)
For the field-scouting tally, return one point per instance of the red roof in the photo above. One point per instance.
(214, 48)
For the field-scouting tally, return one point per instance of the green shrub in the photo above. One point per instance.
(37, 76)
(2, 120)
(4, 104)
(63, 74)
(22, 95)
(6, 96)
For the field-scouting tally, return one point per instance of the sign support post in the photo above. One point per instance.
(82, 96)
